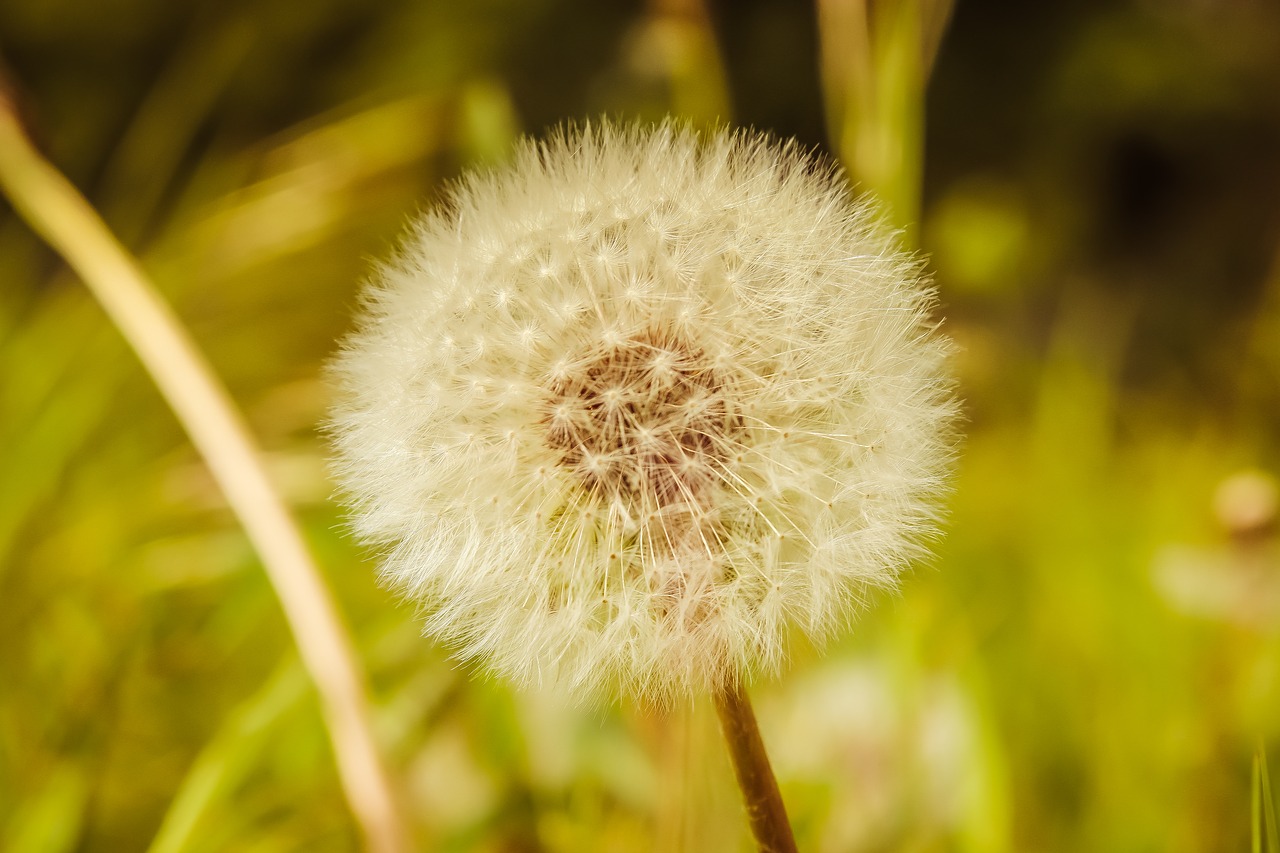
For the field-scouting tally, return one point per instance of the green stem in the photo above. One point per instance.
(765, 809)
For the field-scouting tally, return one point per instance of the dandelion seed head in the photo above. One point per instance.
(627, 411)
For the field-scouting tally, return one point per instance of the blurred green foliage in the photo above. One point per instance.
(1088, 663)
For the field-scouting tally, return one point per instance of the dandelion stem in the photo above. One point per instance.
(765, 809)
(58, 213)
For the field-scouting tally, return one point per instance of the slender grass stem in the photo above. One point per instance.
(876, 61)
(60, 215)
(765, 809)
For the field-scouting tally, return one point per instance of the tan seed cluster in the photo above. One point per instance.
(648, 421)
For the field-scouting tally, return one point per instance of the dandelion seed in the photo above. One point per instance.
(724, 411)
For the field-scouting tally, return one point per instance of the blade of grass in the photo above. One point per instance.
(142, 168)
(51, 818)
(227, 757)
(1255, 805)
(61, 216)
(875, 64)
(1266, 838)
(695, 70)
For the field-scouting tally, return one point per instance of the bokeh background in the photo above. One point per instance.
(1091, 661)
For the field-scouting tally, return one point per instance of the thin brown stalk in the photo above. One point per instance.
(58, 213)
(765, 809)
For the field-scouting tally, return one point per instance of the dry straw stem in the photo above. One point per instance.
(59, 214)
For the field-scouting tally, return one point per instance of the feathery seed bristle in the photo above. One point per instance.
(623, 411)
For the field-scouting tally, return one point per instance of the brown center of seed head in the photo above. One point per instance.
(648, 420)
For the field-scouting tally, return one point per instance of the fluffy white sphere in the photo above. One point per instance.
(623, 412)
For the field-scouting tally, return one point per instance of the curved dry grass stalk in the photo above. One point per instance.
(62, 217)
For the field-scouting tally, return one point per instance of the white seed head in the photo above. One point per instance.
(626, 412)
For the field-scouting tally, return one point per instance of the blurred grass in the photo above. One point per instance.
(1087, 664)
(1266, 838)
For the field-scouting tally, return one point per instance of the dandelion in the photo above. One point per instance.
(628, 412)
(625, 413)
